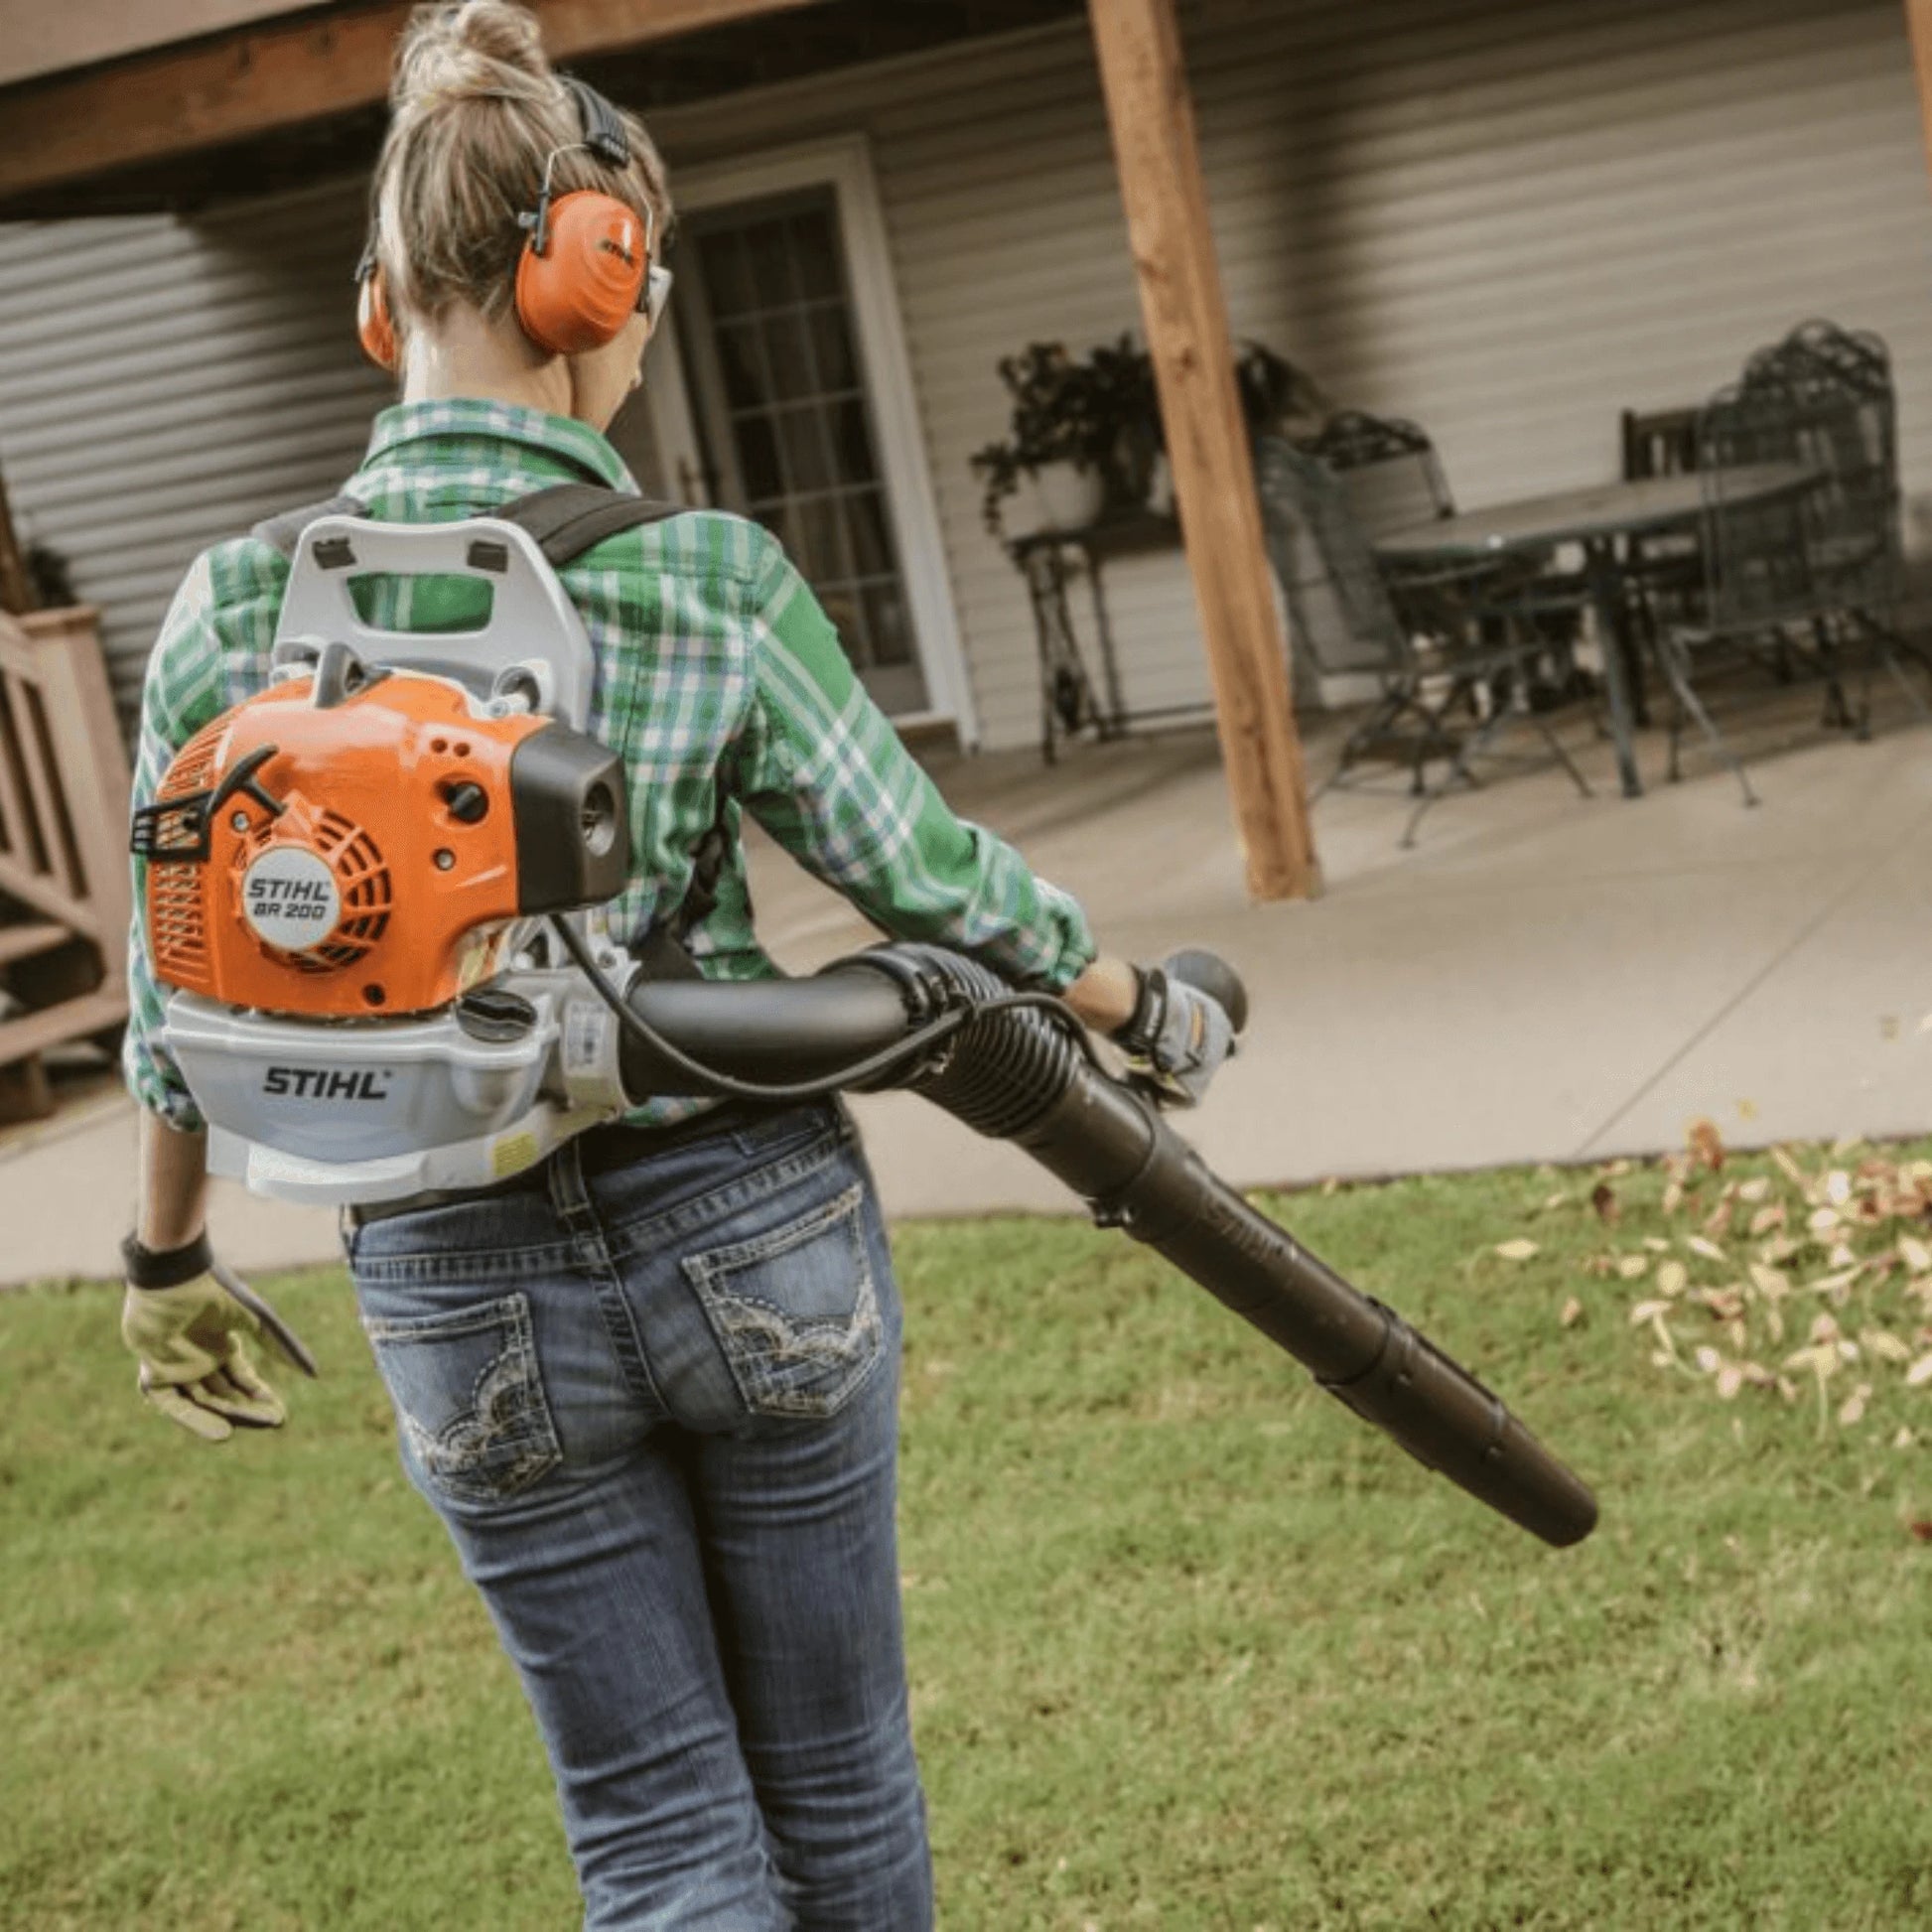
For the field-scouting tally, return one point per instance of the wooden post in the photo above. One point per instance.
(16, 584)
(1918, 25)
(1158, 154)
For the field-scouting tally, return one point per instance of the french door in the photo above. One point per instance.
(781, 391)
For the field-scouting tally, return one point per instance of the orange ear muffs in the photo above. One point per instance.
(373, 324)
(581, 272)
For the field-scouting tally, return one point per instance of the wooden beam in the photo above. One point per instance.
(1158, 154)
(284, 74)
(81, 33)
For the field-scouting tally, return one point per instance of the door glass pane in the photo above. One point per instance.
(784, 415)
(851, 433)
(818, 531)
(737, 361)
(768, 254)
(757, 458)
(837, 367)
(729, 271)
(789, 357)
(807, 456)
(872, 543)
(815, 251)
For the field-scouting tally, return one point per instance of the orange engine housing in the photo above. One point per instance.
(387, 881)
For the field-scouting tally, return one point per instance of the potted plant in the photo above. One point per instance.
(1087, 434)
(1070, 416)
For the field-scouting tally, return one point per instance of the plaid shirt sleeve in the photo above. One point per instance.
(186, 687)
(825, 773)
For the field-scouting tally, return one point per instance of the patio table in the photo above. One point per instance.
(1599, 517)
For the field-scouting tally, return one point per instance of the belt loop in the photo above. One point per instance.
(569, 1195)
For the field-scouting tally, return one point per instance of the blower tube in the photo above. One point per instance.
(1017, 1075)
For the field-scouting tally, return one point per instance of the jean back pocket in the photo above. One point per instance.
(795, 1311)
(469, 1397)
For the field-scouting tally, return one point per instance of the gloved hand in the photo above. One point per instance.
(186, 1316)
(1181, 1033)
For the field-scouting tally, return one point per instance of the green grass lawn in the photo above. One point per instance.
(1192, 1647)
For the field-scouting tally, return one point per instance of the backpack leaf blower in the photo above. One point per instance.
(375, 893)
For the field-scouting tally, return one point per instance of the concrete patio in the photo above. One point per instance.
(1543, 978)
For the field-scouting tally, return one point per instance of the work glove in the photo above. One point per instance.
(186, 1317)
(1178, 1033)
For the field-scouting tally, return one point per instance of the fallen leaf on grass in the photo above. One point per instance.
(1919, 1373)
(1632, 1267)
(1914, 1254)
(1672, 1278)
(1821, 1359)
(1709, 1250)
(1602, 1197)
(1706, 1142)
(1573, 1313)
(1517, 1250)
(1919, 1529)
(1851, 1409)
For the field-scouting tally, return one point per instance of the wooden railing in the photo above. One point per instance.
(63, 802)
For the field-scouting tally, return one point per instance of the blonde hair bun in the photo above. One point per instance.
(479, 121)
(478, 49)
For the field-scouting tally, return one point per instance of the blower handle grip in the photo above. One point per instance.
(1207, 972)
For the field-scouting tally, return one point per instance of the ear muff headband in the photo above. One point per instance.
(585, 264)
(582, 269)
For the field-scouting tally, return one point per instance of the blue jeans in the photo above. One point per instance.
(657, 1409)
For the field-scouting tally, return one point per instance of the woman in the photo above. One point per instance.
(649, 1386)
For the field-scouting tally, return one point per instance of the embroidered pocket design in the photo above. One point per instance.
(469, 1397)
(795, 1312)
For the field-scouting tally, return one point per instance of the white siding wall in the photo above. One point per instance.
(1509, 218)
(164, 384)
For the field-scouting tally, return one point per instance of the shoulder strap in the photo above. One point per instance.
(284, 531)
(567, 520)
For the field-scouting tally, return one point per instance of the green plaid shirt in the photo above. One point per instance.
(719, 680)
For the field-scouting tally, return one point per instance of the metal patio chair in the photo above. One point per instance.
(1444, 700)
(1783, 573)
(1665, 568)
(1847, 426)
(1392, 478)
